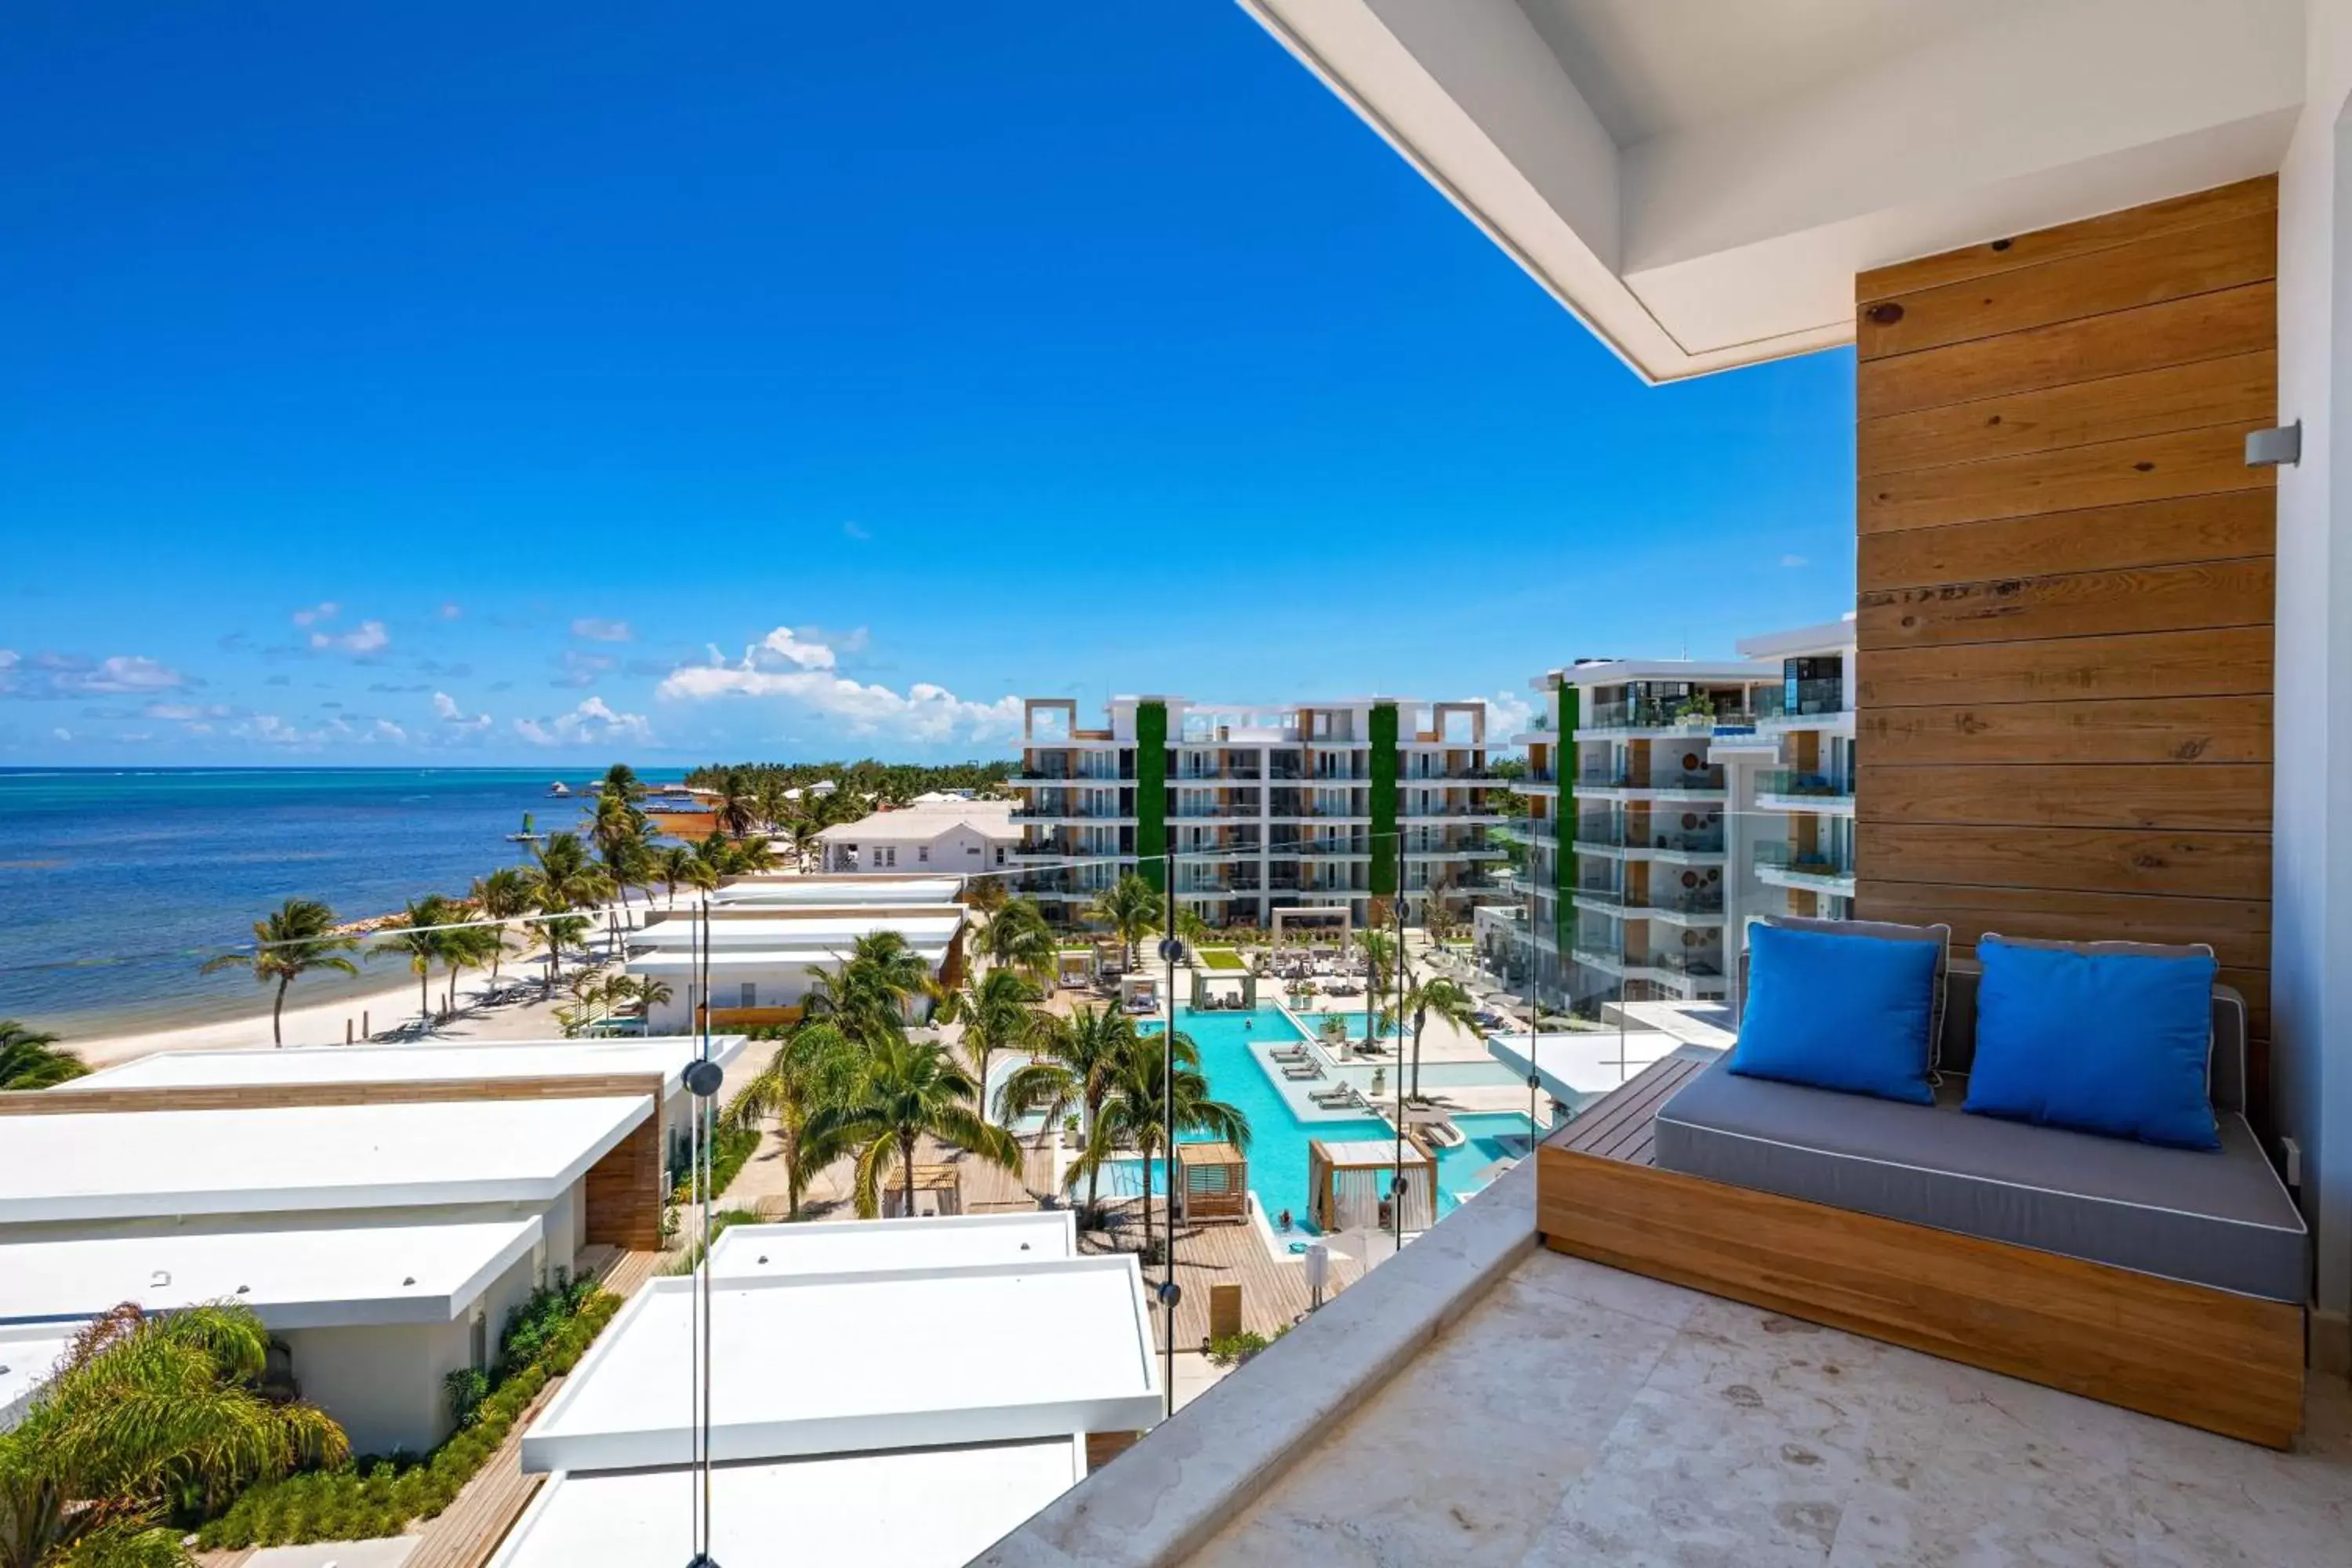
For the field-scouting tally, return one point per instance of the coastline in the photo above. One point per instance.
(384, 997)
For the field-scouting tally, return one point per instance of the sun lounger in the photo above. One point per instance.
(1303, 1070)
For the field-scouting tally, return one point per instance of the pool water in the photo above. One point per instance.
(1278, 1138)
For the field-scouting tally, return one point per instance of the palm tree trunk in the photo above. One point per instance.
(1416, 1090)
(906, 1158)
(424, 994)
(278, 1012)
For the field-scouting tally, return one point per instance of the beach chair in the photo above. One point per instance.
(1299, 1070)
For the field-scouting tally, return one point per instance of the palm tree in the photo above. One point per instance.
(1073, 1062)
(417, 935)
(1017, 937)
(985, 894)
(1190, 929)
(814, 1066)
(998, 1011)
(621, 780)
(504, 895)
(1138, 1112)
(295, 939)
(30, 1059)
(563, 879)
(1131, 907)
(1439, 996)
(870, 989)
(1380, 978)
(675, 864)
(467, 947)
(738, 806)
(143, 1412)
(904, 1091)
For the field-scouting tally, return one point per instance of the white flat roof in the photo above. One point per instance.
(296, 1277)
(662, 1056)
(788, 929)
(128, 1164)
(946, 1241)
(672, 960)
(1829, 636)
(823, 890)
(836, 1363)
(1618, 671)
(914, 1507)
(1577, 1064)
(28, 1353)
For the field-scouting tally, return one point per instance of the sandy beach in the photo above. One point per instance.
(380, 1009)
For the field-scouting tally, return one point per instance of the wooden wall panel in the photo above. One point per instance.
(262, 1097)
(2066, 584)
(625, 1192)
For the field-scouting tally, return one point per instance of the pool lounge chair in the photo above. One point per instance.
(1303, 1070)
(1337, 1098)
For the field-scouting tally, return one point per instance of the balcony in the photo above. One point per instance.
(1785, 789)
(1071, 814)
(1213, 813)
(1824, 868)
(1813, 699)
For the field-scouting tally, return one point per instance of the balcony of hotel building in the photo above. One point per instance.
(2084, 261)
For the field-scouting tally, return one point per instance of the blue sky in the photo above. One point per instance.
(468, 383)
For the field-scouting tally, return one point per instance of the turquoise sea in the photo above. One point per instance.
(117, 883)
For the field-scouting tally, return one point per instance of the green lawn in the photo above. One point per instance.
(1221, 958)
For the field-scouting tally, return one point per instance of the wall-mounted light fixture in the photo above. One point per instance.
(2280, 446)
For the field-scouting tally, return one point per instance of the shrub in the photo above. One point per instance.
(730, 1150)
(464, 1389)
(1234, 1349)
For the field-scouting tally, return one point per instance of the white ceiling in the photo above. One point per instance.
(1649, 67)
(1700, 180)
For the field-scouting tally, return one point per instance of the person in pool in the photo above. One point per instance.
(1284, 1221)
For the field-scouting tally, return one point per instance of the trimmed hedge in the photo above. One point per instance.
(354, 1504)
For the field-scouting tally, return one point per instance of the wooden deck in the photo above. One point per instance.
(1274, 1291)
(1618, 1127)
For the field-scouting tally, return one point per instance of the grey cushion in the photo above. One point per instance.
(2221, 1219)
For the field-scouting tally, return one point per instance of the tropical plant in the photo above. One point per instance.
(1073, 1063)
(504, 895)
(1017, 937)
(1191, 929)
(564, 878)
(1131, 907)
(30, 1059)
(814, 1067)
(145, 1414)
(678, 863)
(738, 806)
(868, 990)
(621, 780)
(985, 894)
(1139, 1111)
(904, 1091)
(419, 935)
(1445, 998)
(998, 1012)
(295, 939)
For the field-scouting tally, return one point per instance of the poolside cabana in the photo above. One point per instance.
(1139, 992)
(1348, 1185)
(1212, 1181)
(939, 1190)
(1075, 967)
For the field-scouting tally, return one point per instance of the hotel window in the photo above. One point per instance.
(750, 994)
(923, 854)
(1000, 853)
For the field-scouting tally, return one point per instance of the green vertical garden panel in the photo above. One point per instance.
(1151, 792)
(1563, 812)
(1384, 734)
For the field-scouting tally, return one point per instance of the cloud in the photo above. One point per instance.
(385, 731)
(187, 712)
(855, 530)
(582, 668)
(62, 733)
(435, 667)
(367, 638)
(318, 615)
(446, 709)
(394, 686)
(789, 665)
(268, 729)
(54, 675)
(592, 721)
(1507, 714)
(502, 686)
(451, 611)
(280, 680)
(1793, 561)
(596, 630)
(234, 642)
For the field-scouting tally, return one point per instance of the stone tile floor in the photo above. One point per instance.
(1583, 1416)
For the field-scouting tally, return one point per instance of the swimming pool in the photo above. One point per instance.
(1278, 1136)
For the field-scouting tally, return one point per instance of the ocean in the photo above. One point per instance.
(120, 882)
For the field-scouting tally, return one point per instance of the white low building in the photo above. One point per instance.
(372, 1316)
(905, 1391)
(762, 963)
(653, 1063)
(791, 891)
(966, 836)
(384, 1242)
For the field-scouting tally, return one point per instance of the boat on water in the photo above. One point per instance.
(528, 836)
(558, 788)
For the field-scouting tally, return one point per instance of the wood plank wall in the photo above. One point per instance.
(625, 1192)
(2066, 584)
(268, 1096)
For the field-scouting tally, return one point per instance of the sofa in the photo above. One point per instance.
(2217, 1219)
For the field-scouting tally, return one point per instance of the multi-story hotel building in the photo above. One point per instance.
(1670, 801)
(1297, 805)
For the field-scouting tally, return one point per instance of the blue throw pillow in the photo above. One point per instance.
(2112, 1043)
(1848, 1012)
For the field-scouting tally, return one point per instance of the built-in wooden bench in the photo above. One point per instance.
(2207, 1358)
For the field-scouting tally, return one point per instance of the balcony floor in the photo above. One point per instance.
(1578, 1414)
